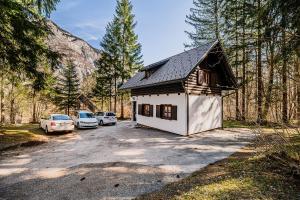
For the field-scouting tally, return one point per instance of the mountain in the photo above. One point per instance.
(73, 49)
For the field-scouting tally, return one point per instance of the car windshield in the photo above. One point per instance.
(100, 114)
(86, 115)
(61, 117)
(110, 114)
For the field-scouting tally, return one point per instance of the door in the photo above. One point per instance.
(134, 111)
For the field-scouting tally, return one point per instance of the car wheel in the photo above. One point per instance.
(78, 125)
(101, 123)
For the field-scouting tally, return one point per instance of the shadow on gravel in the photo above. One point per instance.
(91, 181)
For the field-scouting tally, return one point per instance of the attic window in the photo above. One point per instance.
(148, 73)
(149, 70)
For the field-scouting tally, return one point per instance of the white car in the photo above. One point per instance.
(57, 123)
(106, 118)
(85, 119)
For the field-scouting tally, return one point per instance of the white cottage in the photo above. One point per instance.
(183, 94)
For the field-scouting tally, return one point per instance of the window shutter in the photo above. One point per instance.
(151, 111)
(158, 113)
(174, 112)
(140, 109)
(214, 79)
(200, 78)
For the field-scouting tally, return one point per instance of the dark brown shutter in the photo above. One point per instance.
(140, 109)
(174, 112)
(158, 113)
(151, 111)
(214, 79)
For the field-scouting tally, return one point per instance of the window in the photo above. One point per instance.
(147, 74)
(110, 114)
(145, 110)
(61, 117)
(100, 114)
(203, 77)
(86, 115)
(168, 112)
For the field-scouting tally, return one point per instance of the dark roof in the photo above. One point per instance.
(173, 69)
(156, 65)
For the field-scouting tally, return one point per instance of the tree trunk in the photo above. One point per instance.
(259, 67)
(270, 83)
(1, 97)
(297, 82)
(34, 120)
(237, 110)
(243, 117)
(115, 100)
(284, 72)
(122, 103)
(216, 11)
(110, 96)
(12, 105)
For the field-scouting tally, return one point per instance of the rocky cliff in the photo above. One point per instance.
(73, 49)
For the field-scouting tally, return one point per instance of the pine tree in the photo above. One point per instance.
(205, 20)
(130, 49)
(104, 79)
(67, 89)
(121, 43)
(110, 47)
(232, 12)
(23, 30)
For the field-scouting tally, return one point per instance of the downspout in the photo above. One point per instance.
(222, 104)
(187, 108)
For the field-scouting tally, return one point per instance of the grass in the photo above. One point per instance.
(250, 173)
(18, 135)
(246, 124)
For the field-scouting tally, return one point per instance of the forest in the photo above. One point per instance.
(255, 154)
(262, 43)
(261, 39)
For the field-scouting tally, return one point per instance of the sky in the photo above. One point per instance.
(160, 23)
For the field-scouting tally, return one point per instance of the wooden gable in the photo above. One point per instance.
(211, 76)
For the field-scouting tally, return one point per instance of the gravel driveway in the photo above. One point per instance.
(112, 162)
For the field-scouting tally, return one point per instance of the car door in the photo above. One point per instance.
(47, 121)
(100, 116)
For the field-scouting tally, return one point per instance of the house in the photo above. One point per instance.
(183, 94)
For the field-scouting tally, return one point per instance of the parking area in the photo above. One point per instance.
(112, 162)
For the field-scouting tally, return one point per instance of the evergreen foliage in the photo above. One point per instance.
(67, 89)
(130, 49)
(262, 42)
(104, 78)
(23, 31)
(205, 21)
(120, 44)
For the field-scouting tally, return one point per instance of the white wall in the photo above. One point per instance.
(175, 126)
(205, 113)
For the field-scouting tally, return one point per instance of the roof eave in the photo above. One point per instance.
(151, 85)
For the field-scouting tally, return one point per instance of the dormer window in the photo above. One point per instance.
(148, 73)
(149, 70)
